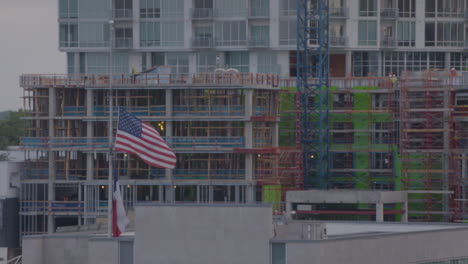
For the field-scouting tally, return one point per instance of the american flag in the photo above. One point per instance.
(137, 137)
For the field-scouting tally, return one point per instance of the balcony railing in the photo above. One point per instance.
(259, 42)
(338, 12)
(208, 174)
(230, 43)
(390, 13)
(259, 12)
(338, 41)
(119, 14)
(202, 42)
(123, 43)
(388, 42)
(68, 143)
(202, 13)
(149, 80)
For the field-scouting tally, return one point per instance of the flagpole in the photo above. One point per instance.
(110, 190)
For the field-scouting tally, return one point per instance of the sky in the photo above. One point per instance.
(28, 44)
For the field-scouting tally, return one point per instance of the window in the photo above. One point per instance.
(123, 8)
(68, 9)
(94, 34)
(393, 63)
(178, 63)
(230, 8)
(459, 61)
(98, 63)
(287, 32)
(259, 7)
(365, 63)
(342, 160)
(267, 62)
(205, 4)
(94, 9)
(164, 34)
(406, 33)
(342, 133)
(367, 7)
(68, 35)
(231, 33)
(406, 8)
(238, 60)
(381, 160)
(206, 61)
(367, 35)
(342, 100)
(150, 8)
(70, 63)
(381, 133)
(443, 34)
(123, 37)
(288, 7)
(158, 59)
(260, 36)
(278, 253)
(445, 8)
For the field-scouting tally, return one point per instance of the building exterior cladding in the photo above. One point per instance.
(225, 131)
(366, 36)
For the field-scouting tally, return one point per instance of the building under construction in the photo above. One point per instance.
(244, 134)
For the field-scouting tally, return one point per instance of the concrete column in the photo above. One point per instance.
(379, 65)
(404, 216)
(447, 60)
(250, 194)
(192, 60)
(274, 24)
(379, 212)
(149, 62)
(253, 61)
(136, 24)
(161, 193)
(348, 66)
(76, 65)
(169, 103)
(187, 24)
(51, 163)
(89, 134)
(170, 197)
(248, 103)
(169, 133)
(275, 135)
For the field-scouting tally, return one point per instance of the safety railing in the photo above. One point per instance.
(208, 110)
(149, 79)
(119, 14)
(208, 174)
(51, 206)
(338, 41)
(190, 142)
(338, 12)
(390, 13)
(202, 42)
(202, 13)
(257, 42)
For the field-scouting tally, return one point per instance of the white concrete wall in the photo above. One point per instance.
(202, 234)
(9, 173)
(70, 249)
(391, 249)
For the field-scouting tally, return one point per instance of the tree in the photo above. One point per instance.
(11, 129)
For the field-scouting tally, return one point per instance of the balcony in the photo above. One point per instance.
(202, 42)
(259, 13)
(122, 14)
(202, 13)
(123, 43)
(388, 42)
(231, 43)
(259, 42)
(339, 12)
(389, 13)
(338, 41)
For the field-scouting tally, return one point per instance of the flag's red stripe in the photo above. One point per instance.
(147, 160)
(115, 229)
(152, 151)
(151, 139)
(142, 155)
(147, 145)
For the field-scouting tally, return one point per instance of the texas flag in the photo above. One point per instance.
(119, 217)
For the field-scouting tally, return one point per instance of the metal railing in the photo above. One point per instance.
(202, 42)
(15, 260)
(230, 43)
(125, 43)
(258, 80)
(202, 13)
(259, 12)
(52, 206)
(338, 41)
(389, 13)
(119, 14)
(388, 42)
(259, 42)
(338, 12)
